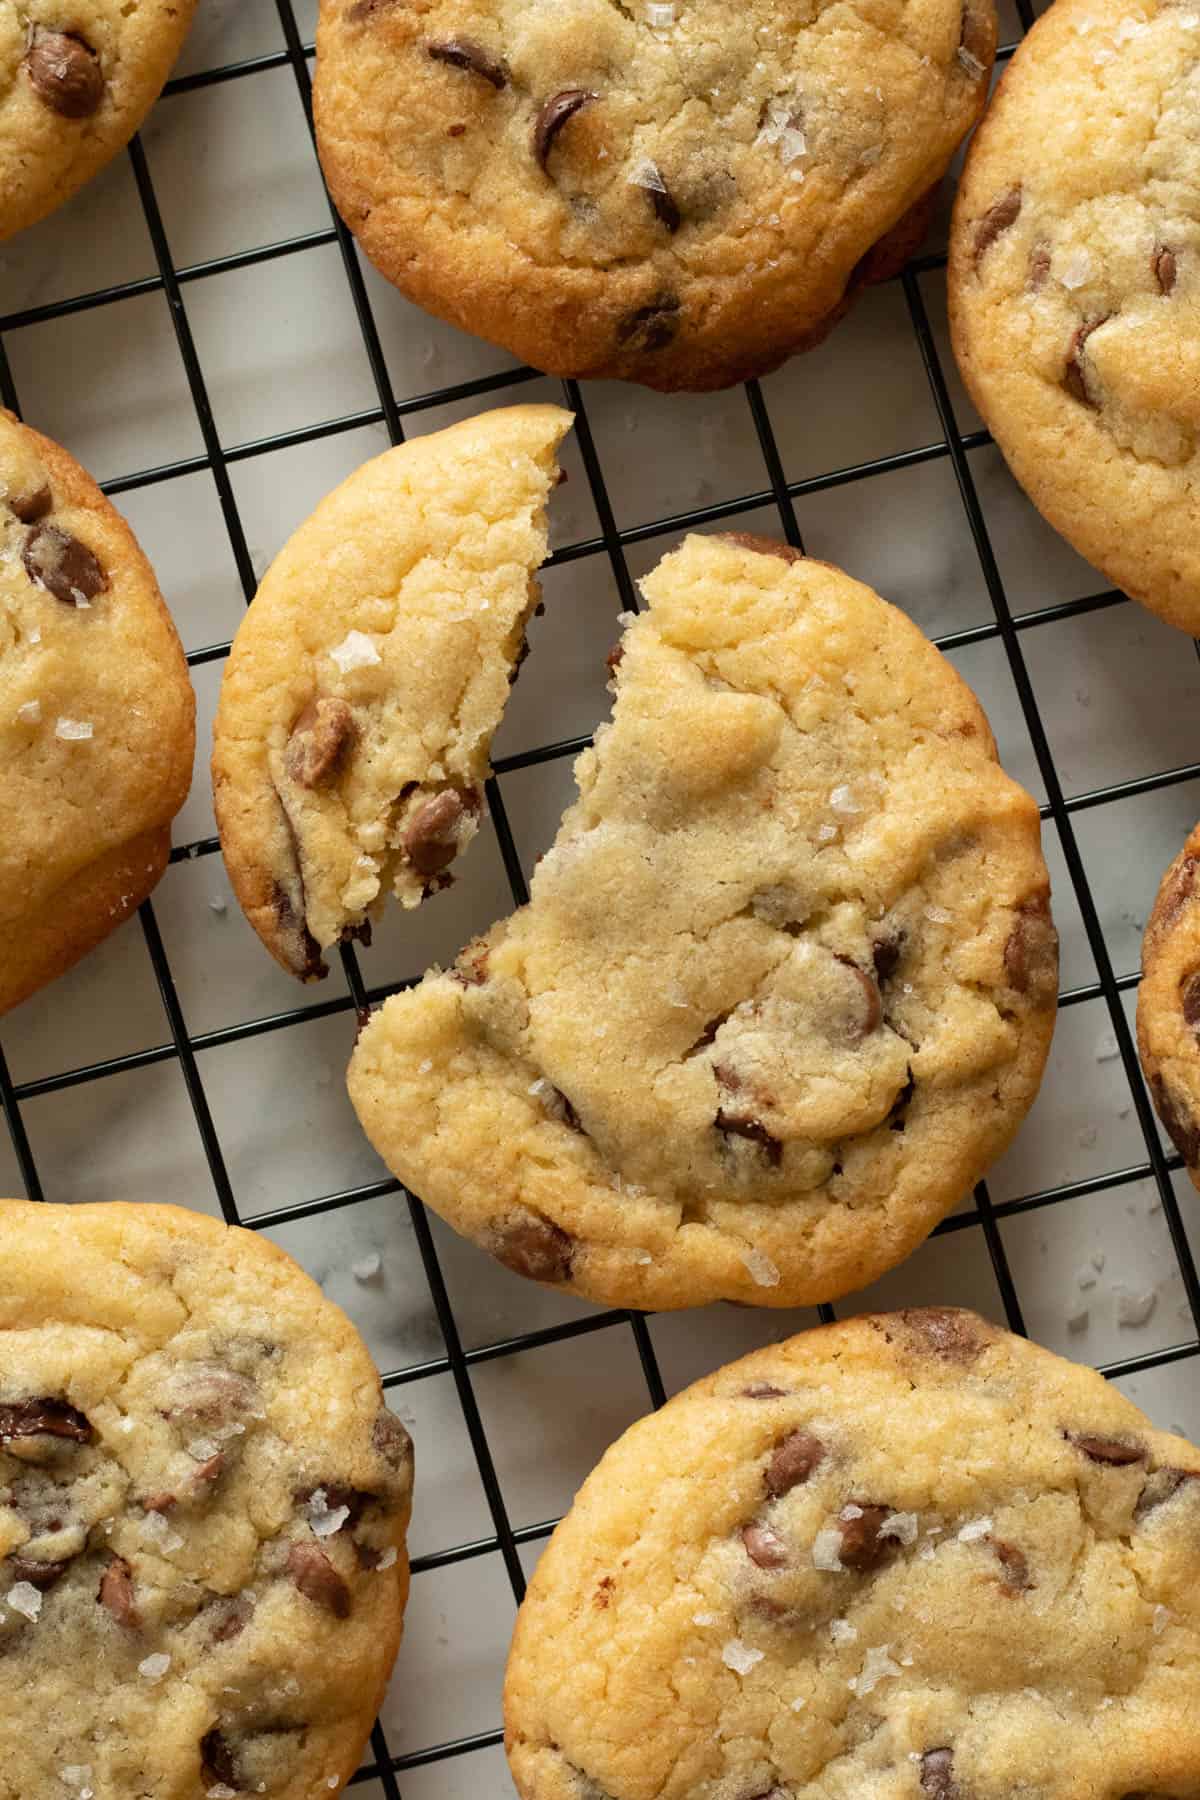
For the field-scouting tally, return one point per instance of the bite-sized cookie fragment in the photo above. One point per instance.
(365, 682)
(76, 81)
(786, 982)
(679, 194)
(97, 716)
(954, 1604)
(1168, 1012)
(1075, 287)
(203, 1509)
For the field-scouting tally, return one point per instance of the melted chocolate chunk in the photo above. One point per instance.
(1039, 266)
(217, 1761)
(886, 952)
(463, 53)
(1180, 1123)
(898, 1116)
(318, 1580)
(303, 951)
(232, 1617)
(560, 1108)
(1189, 998)
(58, 562)
(937, 1776)
(1014, 1564)
(43, 1418)
(431, 837)
(320, 738)
(1115, 1453)
(30, 508)
(1031, 952)
(116, 1593)
(65, 73)
(765, 1548)
(871, 1016)
(995, 221)
(1177, 893)
(762, 546)
(659, 195)
(555, 114)
(794, 1460)
(41, 1575)
(1160, 1486)
(862, 1547)
(947, 1332)
(732, 1125)
(650, 327)
(533, 1246)
(392, 1440)
(763, 1390)
(1165, 268)
(1074, 377)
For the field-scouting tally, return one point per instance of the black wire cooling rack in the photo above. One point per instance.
(612, 543)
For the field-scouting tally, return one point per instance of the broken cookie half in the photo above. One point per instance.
(363, 688)
(787, 979)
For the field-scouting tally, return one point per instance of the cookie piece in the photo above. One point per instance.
(788, 976)
(203, 1506)
(351, 741)
(1074, 276)
(97, 716)
(1168, 1014)
(77, 77)
(677, 194)
(907, 1557)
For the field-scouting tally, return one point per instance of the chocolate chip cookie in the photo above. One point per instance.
(203, 1506)
(787, 980)
(364, 685)
(908, 1557)
(97, 717)
(1168, 1015)
(77, 77)
(679, 194)
(1074, 284)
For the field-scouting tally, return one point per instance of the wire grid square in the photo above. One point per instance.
(131, 283)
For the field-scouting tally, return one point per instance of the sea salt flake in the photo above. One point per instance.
(367, 1267)
(154, 1526)
(356, 651)
(76, 1774)
(423, 1068)
(842, 800)
(153, 1668)
(642, 1257)
(827, 1552)
(902, 1526)
(976, 1529)
(24, 1598)
(761, 1268)
(325, 1520)
(35, 635)
(388, 1558)
(843, 1632)
(203, 1449)
(826, 833)
(221, 1792)
(970, 63)
(30, 713)
(73, 731)
(799, 1703)
(332, 1782)
(1134, 1309)
(706, 1618)
(1162, 1618)
(877, 1667)
(660, 14)
(792, 145)
(938, 915)
(646, 174)
(219, 905)
(1076, 269)
(851, 1512)
(739, 1657)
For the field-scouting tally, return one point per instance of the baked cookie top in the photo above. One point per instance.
(677, 193)
(77, 77)
(97, 715)
(1075, 287)
(364, 685)
(203, 1503)
(787, 980)
(1168, 1015)
(907, 1557)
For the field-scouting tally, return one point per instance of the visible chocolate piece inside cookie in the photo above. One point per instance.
(1075, 374)
(937, 1776)
(32, 505)
(996, 221)
(555, 114)
(653, 326)
(321, 738)
(1113, 1452)
(534, 1247)
(763, 546)
(1014, 1566)
(1181, 1123)
(433, 833)
(1165, 267)
(66, 568)
(794, 1460)
(318, 1580)
(464, 53)
(65, 73)
(43, 1418)
(116, 1593)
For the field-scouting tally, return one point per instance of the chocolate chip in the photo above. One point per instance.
(300, 947)
(898, 1116)
(937, 1776)
(391, 1440)
(556, 113)
(795, 1458)
(559, 1107)
(116, 1593)
(732, 1125)
(659, 195)
(471, 969)
(1189, 998)
(762, 546)
(233, 1616)
(651, 327)
(613, 660)
(995, 221)
(869, 1014)
(948, 1332)
(975, 36)
(217, 1761)
(1074, 377)
(431, 837)
(532, 1246)
(320, 739)
(1177, 892)
(1160, 1486)
(762, 1390)
(886, 951)
(209, 1393)
(39, 1574)
(65, 73)
(58, 562)
(1165, 268)
(862, 1547)
(336, 1496)
(1039, 266)
(43, 1418)
(463, 53)
(1115, 1453)
(1180, 1123)
(1014, 1565)
(765, 1548)
(318, 1580)
(1031, 951)
(29, 508)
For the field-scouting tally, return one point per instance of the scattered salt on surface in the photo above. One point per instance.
(356, 651)
(877, 1667)
(827, 1552)
(324, 1519)
(739, 1657)
(73, 731)
(388, 1558)
(843, 1632)
(24, 1598)
(153, 1668)
(761, 1268)
(902, 1526)
(974, 1530)
(30, 713)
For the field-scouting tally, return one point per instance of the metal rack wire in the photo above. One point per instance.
(612, 543)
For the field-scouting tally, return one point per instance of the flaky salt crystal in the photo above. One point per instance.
(877, 1667)
(325, 1520)
(153, 1668)
(76, 1774)
(388, 1559)
(30, 713)
(356, 651)
(976, 1529)
(154, 1526)
(1162, 1618)
(706, 1618)
(220, 1792)
(799, 1703)
(938, 915)
(970, 63)
(843, 1632)
(660, 14)
(1077, 268)
(827, 1552)
(761, 1268)
(24, 1598)
(367, 1267)
(842, 800)
(73, 731)
(792, 145)
(646, 174)
(901, 1525)
(203, 1449)
(739, 1657)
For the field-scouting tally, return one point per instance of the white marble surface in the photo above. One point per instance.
(233, 170)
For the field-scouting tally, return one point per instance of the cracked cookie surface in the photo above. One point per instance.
(1075, 287)
(1168, 1013)
(77, 77)
(97, 716)
(787, 980)
(360, 697)
(906, 1557)
(664, 192)
(203, 1506)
